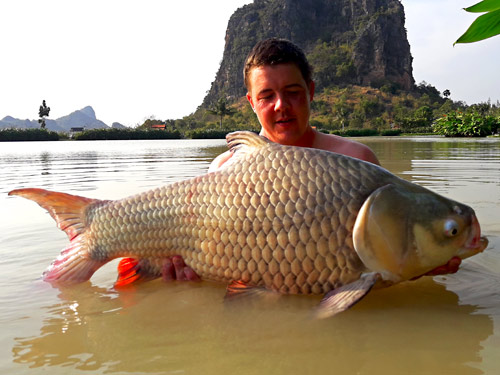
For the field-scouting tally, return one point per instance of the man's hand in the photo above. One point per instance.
(174, 268)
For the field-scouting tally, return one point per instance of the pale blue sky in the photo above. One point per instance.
(470, 71)
(133, 59)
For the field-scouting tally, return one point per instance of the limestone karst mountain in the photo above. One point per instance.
(360, 42)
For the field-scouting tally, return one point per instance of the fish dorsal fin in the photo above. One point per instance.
(242, 142)
(67, 210)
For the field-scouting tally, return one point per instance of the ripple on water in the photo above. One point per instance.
(186, 328)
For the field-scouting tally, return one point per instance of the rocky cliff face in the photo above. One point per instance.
(360, 42)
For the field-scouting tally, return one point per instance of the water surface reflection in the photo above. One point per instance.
(165, 330)
(445, 325)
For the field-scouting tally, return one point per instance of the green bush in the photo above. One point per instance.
(390, 132)
(35, 134)
(458, 124)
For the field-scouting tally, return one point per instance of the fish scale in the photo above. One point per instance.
(279, 218)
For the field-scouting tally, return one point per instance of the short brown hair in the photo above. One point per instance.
(276, 51)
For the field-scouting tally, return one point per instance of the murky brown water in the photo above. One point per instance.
(445, 325)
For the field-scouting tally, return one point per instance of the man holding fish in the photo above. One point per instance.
(278, 78)
(294, 220)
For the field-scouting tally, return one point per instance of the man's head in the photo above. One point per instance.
(280, 91)
(273, 52)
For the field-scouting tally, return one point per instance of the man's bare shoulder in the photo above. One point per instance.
(322, 141)
(219, 161)
(341, 145)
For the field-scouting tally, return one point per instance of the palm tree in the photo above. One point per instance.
(341, 110)
(221, 109)
(43, 112)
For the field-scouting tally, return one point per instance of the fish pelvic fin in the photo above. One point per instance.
(340, 299)
(237, 289)
(132, 271)
(74, 264)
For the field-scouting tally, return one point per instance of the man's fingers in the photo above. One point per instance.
(174, 268)
(190, 274)
(179, 266)
(168, 271)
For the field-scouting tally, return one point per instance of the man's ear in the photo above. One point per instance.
(249, 98)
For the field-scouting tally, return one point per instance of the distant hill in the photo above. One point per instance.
(117, 125)
(348, 42)
(83, 118)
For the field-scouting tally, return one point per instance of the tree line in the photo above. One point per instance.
(351, 110)
(344, 110)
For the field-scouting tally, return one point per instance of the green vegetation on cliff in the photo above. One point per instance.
(352, 110)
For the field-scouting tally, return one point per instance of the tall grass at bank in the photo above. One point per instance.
(36, 134)
(365, 132)
(115, 134)
(10, 135)
(125, 134)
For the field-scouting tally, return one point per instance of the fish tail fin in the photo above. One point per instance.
(67, 210)
(74, 264)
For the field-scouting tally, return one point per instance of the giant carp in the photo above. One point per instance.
(289, 219)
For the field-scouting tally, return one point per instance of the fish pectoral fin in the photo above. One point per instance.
(239, 289)
(346, 296)
(132, 270)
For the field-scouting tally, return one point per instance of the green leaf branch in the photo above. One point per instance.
(486, 25)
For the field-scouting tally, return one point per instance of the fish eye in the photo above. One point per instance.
(451, 228)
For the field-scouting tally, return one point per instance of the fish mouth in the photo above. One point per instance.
(474, 243)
